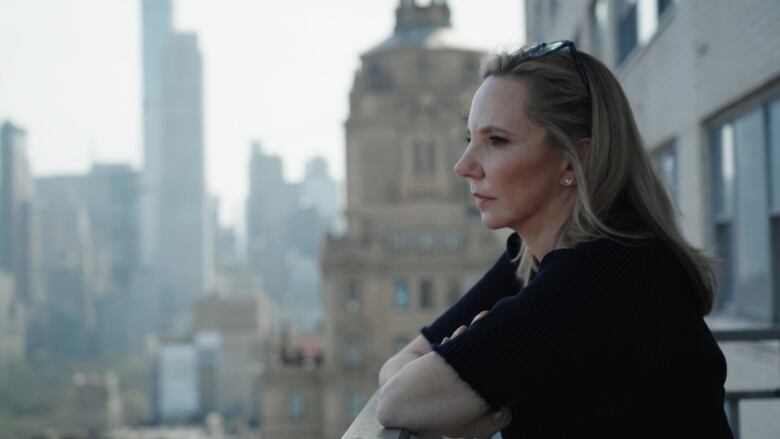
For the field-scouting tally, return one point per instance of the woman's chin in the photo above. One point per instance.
(491, 223)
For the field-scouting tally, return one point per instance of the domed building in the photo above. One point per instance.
(414, 242)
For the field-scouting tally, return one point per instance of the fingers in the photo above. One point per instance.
(485, 426)
(462, 328)
(457, 332)
(479, 316)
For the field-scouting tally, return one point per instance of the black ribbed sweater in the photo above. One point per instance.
(605, 341)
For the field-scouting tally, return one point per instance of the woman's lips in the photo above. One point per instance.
(482, 200)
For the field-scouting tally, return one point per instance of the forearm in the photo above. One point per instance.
(394, 364)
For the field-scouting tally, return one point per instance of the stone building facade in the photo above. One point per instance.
(414, 242)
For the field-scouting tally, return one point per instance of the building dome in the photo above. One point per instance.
(425, 27)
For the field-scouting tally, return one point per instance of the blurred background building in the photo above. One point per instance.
(413, 241)
(176, 249)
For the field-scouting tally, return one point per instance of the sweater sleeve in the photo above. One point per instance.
(561, 320)
(500, 281)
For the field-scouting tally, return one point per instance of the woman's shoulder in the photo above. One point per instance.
(604, 253)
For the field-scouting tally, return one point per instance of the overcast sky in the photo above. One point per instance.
(277, 71)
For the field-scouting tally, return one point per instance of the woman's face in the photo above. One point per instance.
(514, 175)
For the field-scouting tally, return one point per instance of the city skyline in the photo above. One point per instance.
(89, 111)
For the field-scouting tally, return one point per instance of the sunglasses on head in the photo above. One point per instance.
(540, 50)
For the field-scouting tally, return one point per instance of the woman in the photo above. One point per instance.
(607, 338)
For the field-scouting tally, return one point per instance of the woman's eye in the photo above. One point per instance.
(468, 140)
(497, 140)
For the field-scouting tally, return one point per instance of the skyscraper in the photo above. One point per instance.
(174, 226)
(16, 220)
(271, 204)
(181, 239)
(156, 28)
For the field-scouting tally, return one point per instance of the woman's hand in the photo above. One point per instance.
(489, 423)
(462, 328)
(484, 427)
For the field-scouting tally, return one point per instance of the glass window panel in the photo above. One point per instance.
(401, 294)
(774, 154)
(353, 296)
(418, 159)
(352, 355)
(295, 408)
(627, 30)
(723, 172)
(431, 159)
(426, 240)
(648, 19)
(597, 27)
(724, 263)
(426, 294)
(751, 271)
(354, 404)
(662, 6)
(776, 266)
(666, 159)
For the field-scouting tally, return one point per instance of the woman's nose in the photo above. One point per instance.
(466, 166)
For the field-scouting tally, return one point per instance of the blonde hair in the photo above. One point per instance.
(613, 172)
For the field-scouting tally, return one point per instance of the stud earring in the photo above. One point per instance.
(568, 181)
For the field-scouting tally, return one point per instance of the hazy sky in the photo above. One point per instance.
(277, 71)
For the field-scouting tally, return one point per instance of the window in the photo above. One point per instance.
(378, 78)
(453, 240)
(399, 240)
(295, 406)
(666, 166)
(470, 67)
(774, 188)
(662, 5)
(426, 294)
(353, 358)
(744, 210)
(422, 69)
(425, 240)
(597, 26)
(553, 9)
(354, 404)
(424, 158)
(627, 30)
(401, 294)
(352, 304)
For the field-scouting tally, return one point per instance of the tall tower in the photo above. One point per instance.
(174, 226)
(269, 209)
(413, 244)
(182, 260)
(156, 29)
(17, 254)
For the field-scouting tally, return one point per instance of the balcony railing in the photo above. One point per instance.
(734, 397)
(366, 425)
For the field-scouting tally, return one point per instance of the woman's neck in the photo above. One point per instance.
(547, 234)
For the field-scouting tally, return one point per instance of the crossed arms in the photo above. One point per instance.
(420, 392)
